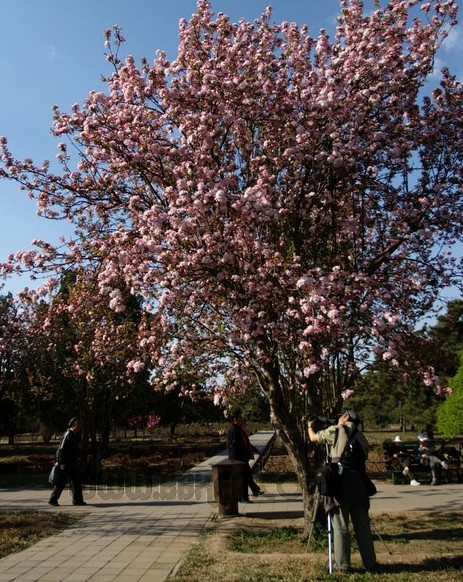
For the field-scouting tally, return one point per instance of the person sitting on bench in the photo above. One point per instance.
(429, 458)
(401, 459)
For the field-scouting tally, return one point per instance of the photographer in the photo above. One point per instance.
(352, 501)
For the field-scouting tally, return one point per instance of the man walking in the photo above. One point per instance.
(67, 457)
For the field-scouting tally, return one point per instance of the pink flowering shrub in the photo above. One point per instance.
(144, 421)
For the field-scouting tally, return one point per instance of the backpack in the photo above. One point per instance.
(353, 456)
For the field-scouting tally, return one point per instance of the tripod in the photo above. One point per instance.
(389, 551)
(317, 500)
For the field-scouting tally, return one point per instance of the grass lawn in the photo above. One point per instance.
(413, 547)
(21, 529)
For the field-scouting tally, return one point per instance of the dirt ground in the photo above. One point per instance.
(412, 547)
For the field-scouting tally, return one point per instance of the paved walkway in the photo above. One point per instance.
(143, 534)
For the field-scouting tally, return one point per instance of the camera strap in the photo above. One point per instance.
(327, 454)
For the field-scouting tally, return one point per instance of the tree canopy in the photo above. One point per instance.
(450, 413)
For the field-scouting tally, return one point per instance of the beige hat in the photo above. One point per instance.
(398, 439)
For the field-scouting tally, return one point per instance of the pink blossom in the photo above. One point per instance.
(346, 394)
(312, 369)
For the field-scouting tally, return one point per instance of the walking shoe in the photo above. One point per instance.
(414, 483)
(54, 503)
(406, 471)
(340, 569)
(434, 482)
(79, 503)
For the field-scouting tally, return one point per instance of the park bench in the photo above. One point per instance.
(451, 451)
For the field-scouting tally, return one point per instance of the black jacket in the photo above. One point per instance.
(69, 450)
(238, 445)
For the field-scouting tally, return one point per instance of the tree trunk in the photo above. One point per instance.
(287, 424)
(173, 428)
(300, 461)
(105, 434)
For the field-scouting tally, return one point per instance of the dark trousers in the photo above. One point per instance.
(73, 476)
(248, 482)
(434, 463)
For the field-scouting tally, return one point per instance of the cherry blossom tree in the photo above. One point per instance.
(281, 202)
(91, 346)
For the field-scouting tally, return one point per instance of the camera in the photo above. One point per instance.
(321, 422)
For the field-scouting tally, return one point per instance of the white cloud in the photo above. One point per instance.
(439, 64)
(451, 53)
(454, 42)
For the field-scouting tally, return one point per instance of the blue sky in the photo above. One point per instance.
(53, 53)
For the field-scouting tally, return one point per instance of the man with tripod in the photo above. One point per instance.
(352, 501)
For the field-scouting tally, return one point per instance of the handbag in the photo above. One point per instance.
(328, 480)
(370, 486)
(54, 475)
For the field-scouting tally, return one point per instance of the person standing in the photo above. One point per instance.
(352, 501)
(240, 449)
(67, 457)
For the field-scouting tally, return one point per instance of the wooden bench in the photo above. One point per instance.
(450, 451)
